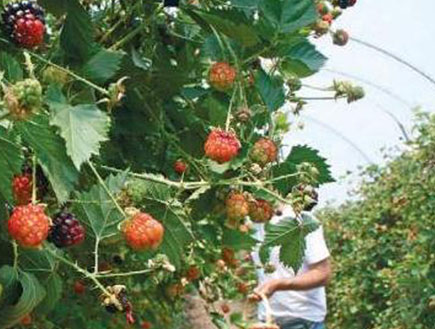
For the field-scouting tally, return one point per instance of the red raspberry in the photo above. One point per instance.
(264, 151)
(79, 287)
(143, 232)
(340, 38)
(24, 22)
(29, 225)
(322, 8)
(225, 308)
(237, 206)
(180, 167)
(328, 18)
(260, 211)
(243, 288)
(22, 189)
(66, 231)
(26, 320)
(222, 146)
(222, 76)
(146, 325)
(193, 273)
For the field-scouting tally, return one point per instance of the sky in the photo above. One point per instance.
(353, 135)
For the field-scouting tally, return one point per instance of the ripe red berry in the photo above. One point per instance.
(242, 288)
(260, 211)
(66, 231)
(180, 167)
(328, 18)
(24, 22)
(22, 189)
(26, 320)
(146, 325)
(237, 206)
(340, 38)
(225, 308)
(29, 225)
(222, 146)
(222, 76)
(143, 232)
(79, 287)
(264, 151)
(193, 273)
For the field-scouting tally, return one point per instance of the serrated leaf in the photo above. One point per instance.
(102, 66)
(230, 22)
(290, 235)
(11, 161)
(83, 127)
(299, 154)
(76, 38)
(301, 59)
(50, 152)
(11, 68)
(271, 90)
(238, 240)
(10, 284)
(32, 294)
(97, 210)
(287, 16)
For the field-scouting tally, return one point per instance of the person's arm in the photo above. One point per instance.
(318, 275)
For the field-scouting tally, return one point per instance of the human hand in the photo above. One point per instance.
(267, 289)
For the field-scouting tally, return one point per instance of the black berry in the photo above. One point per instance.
(66, 231)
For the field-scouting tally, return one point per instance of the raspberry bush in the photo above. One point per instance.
(170, 109)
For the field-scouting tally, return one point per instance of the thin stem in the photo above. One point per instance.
(34, 179)
(5, 116)
(228, 122)
(75, 76)
(15, 247)
(87, 274)
(114, 275)
(104, 186)
(96, 261)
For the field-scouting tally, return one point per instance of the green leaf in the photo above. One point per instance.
(230, 22)
(271, 90)
(287, 16)
(32, 294)
(97, 210)
(102, 66)
(9, 282)
(56, 7)
(11, 161)
(301, 59)
(11, 68)
(53, 286)
(76, 38)
(299, 154)
(83, 127)
(51, 155)
(238, 240)
(290, 235)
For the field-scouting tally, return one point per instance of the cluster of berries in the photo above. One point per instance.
(24, 23)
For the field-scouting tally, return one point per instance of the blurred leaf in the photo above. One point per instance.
(301, 59)
(56, 7)
(287, 16)
(77, 34)
(238, 240)
(271, 90)
(83, 127)
(11, 161)
(11, 68)
(289, 235)
(32, 294)
(53, 287)
(50, 151)
(102, 66)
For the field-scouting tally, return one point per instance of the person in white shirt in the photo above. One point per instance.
(297, 300)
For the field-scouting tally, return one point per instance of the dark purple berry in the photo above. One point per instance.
(170, 3)
(66, 231)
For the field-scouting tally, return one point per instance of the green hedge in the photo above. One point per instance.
(383, 243)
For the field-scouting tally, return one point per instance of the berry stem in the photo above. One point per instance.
(15, 247)
(104, 186)
(75, 76)
(81, 270)
(230, 107)
(34, 179)
(113, 275)
(97, 244)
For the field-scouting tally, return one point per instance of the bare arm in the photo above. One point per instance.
(318, 275)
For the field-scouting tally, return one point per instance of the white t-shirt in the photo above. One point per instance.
(310, 304)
